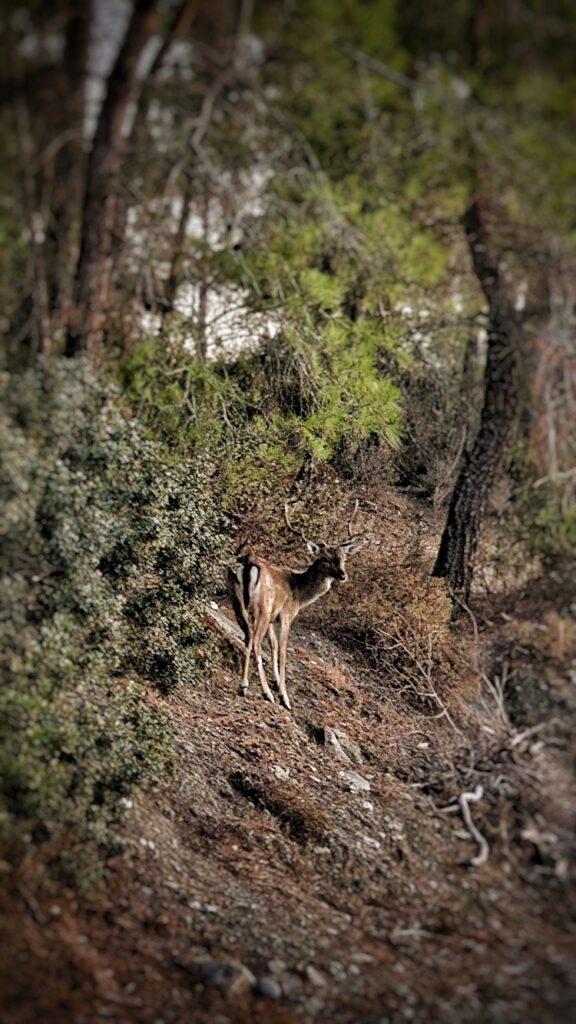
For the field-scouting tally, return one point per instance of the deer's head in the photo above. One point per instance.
(330, 559)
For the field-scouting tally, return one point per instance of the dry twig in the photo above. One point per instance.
(484, 849)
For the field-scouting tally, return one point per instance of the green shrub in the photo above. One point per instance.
(109, 546)
(546, 521)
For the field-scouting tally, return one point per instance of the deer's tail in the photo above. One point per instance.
(243, 581)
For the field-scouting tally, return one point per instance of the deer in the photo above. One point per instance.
(265, 596)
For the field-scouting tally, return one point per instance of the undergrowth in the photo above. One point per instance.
(109, 546)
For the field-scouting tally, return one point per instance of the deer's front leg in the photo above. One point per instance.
(246, 675)
(284, 631)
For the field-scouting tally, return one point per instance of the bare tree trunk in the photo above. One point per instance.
(455, 559)
(95, 261)
(178, 250)
(35, 313)
(67, 167)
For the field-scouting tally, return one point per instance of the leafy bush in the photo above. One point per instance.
(109, 546)
(545, 519)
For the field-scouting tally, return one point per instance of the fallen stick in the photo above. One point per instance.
(484, 849)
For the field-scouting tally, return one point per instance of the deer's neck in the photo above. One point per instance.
(309, 585)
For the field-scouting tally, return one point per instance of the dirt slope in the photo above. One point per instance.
(325, 852)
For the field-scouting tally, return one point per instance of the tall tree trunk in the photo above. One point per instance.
(455, 559)
(99, 217)
(67, 166)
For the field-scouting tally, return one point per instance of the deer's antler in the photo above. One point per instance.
(293, 528)
(354, 536)
(352, 517)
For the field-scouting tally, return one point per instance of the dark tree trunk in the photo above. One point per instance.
(178, 249)
(100, 210)
(455, 559)
(67, 168)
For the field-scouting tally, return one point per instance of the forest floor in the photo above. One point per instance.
(315, 865)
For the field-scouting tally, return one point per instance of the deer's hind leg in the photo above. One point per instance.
(259, 634)
(285, 624)
(246, 674)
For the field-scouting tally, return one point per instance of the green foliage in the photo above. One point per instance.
(546, 522)
(109, 546)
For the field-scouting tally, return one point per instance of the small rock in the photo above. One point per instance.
(367, 805)
(269, 988)
(314, 1005)
(331, 741)
(314, 976)
(343, 747)
(292, 986)
(371, 842)
(356, 783)
(277, 966)
(229, 976)
(281, 773)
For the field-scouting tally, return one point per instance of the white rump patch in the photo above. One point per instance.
(253, 579)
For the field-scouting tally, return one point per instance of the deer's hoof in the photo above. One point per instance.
(270, 697)
(287, 703)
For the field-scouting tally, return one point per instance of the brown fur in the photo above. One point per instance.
(264, 595)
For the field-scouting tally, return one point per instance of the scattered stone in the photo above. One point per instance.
(367, 805)
(292, 986)
(228, 976)
(374, 843)
(362, 958)
(356, 783)
(314, 976)
(277, 966)
(314, 1005)
(331, 740)
(269, 988)
(342, 747)
(281, 773)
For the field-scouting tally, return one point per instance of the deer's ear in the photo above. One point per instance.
(313, 548)
(352, 547)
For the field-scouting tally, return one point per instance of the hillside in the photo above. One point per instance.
(324, 850)
(287, 284)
